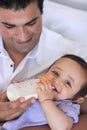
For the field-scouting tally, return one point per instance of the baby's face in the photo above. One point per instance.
(66, 77)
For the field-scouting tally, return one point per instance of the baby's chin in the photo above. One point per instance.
(57, 97)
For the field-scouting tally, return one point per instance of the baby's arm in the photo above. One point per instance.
(55, 117)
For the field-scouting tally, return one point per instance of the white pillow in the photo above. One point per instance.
(69, 22)
(79, 4)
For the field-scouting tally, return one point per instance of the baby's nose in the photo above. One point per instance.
(56, 82)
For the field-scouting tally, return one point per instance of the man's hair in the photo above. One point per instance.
(83, 63)
(20, 4)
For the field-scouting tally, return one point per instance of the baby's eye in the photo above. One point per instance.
(55, 73)
(68, 83)
(31, 23)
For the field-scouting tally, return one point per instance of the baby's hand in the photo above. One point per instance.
(44, 90)
(17, 81)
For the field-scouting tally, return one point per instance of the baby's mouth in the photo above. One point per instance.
(54, 89)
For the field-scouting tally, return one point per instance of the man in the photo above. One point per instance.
(26, 50)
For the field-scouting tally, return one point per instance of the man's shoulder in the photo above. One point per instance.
(50, 33)
(52, 39)
(50, 36)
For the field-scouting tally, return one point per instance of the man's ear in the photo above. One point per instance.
(79, 100)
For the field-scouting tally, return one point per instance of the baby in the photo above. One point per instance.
(59, 95)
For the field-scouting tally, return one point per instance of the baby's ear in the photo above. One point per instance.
(79, 100)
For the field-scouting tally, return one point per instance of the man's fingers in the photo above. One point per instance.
(3, 96)
(11, 110)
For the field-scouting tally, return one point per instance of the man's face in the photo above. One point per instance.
(20, 29)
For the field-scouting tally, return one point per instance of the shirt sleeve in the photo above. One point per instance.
(70, 109)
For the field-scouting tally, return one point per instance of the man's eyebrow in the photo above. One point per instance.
(7, 24)
(31, 21)
(13, 25)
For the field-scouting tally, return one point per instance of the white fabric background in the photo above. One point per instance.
(79, 4)
(69, 22)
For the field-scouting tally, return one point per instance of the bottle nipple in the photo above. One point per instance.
(43, 78)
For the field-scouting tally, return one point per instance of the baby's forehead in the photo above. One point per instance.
(69, 64)
(63, 60)
(67, 60)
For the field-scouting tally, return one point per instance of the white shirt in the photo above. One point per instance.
(49, 48)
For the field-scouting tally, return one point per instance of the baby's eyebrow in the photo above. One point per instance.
(71, 78)
(58, 68)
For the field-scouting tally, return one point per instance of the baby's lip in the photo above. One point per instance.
(54, 89)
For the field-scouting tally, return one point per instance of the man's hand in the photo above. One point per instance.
(10, 110)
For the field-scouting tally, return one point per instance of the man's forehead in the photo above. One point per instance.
(20, 16)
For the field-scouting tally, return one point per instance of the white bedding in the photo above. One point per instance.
(69, 22)
(78, 4)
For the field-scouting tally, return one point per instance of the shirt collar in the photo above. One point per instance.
(3, 52)
(32, 54)
(36, 51)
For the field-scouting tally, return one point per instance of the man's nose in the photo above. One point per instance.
(22, 33)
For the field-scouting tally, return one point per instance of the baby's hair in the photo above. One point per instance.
(82, 92)
(78, 59)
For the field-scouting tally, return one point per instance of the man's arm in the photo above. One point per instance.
(45, 127)
(82, 124)
(84, 106)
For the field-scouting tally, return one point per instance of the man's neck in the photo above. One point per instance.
(16, 58)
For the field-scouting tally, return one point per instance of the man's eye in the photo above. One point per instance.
(55, 73)
(9, 26)
(68, 83)
(31, 23)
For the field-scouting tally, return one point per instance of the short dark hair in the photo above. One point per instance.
(20, 4)
(83, 63)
